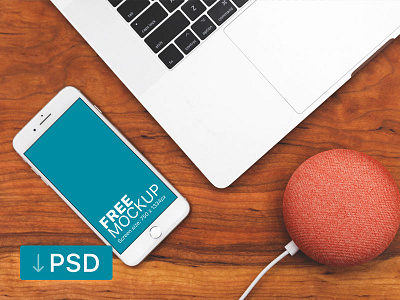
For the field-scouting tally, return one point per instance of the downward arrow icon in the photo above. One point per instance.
(38, 268)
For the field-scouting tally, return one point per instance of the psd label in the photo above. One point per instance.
(66, 263)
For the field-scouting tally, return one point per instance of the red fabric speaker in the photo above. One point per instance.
(342, 208)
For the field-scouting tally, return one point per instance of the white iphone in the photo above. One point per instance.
(101, 176)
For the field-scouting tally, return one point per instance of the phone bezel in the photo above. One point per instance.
(167, 221)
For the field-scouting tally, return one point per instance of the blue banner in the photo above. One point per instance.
(66, 263)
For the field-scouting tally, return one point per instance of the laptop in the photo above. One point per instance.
(228, 79)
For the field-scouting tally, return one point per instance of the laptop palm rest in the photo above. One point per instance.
(303, 48)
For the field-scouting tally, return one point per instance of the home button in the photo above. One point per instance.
(155, 232)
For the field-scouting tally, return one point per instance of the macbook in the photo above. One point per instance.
(228, 79)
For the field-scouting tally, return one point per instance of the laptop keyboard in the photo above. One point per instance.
(173, 28)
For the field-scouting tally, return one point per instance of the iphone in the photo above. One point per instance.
(101, 176)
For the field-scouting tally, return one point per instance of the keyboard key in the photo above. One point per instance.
(193, 9)
(203, 27)
(187, 41)
(149, 20)
(170, 56)
(209, 2)
(167, 31)
(115, 2)
(171, 5)
(131, 8)
(222, 11)
(240, 3)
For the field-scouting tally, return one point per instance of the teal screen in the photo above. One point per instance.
(100, 176)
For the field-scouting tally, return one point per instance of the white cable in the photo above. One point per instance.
(291, 249)
(253, 284)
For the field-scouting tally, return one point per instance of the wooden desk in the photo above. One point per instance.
(231, 234)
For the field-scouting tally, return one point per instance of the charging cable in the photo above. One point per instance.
(291, 249)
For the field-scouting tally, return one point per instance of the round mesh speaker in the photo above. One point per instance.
(342, 208)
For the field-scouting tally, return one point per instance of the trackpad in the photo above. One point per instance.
(303, 48)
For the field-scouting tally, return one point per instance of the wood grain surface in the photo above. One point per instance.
(231, 234)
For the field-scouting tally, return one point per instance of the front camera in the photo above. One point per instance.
(34, 129)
